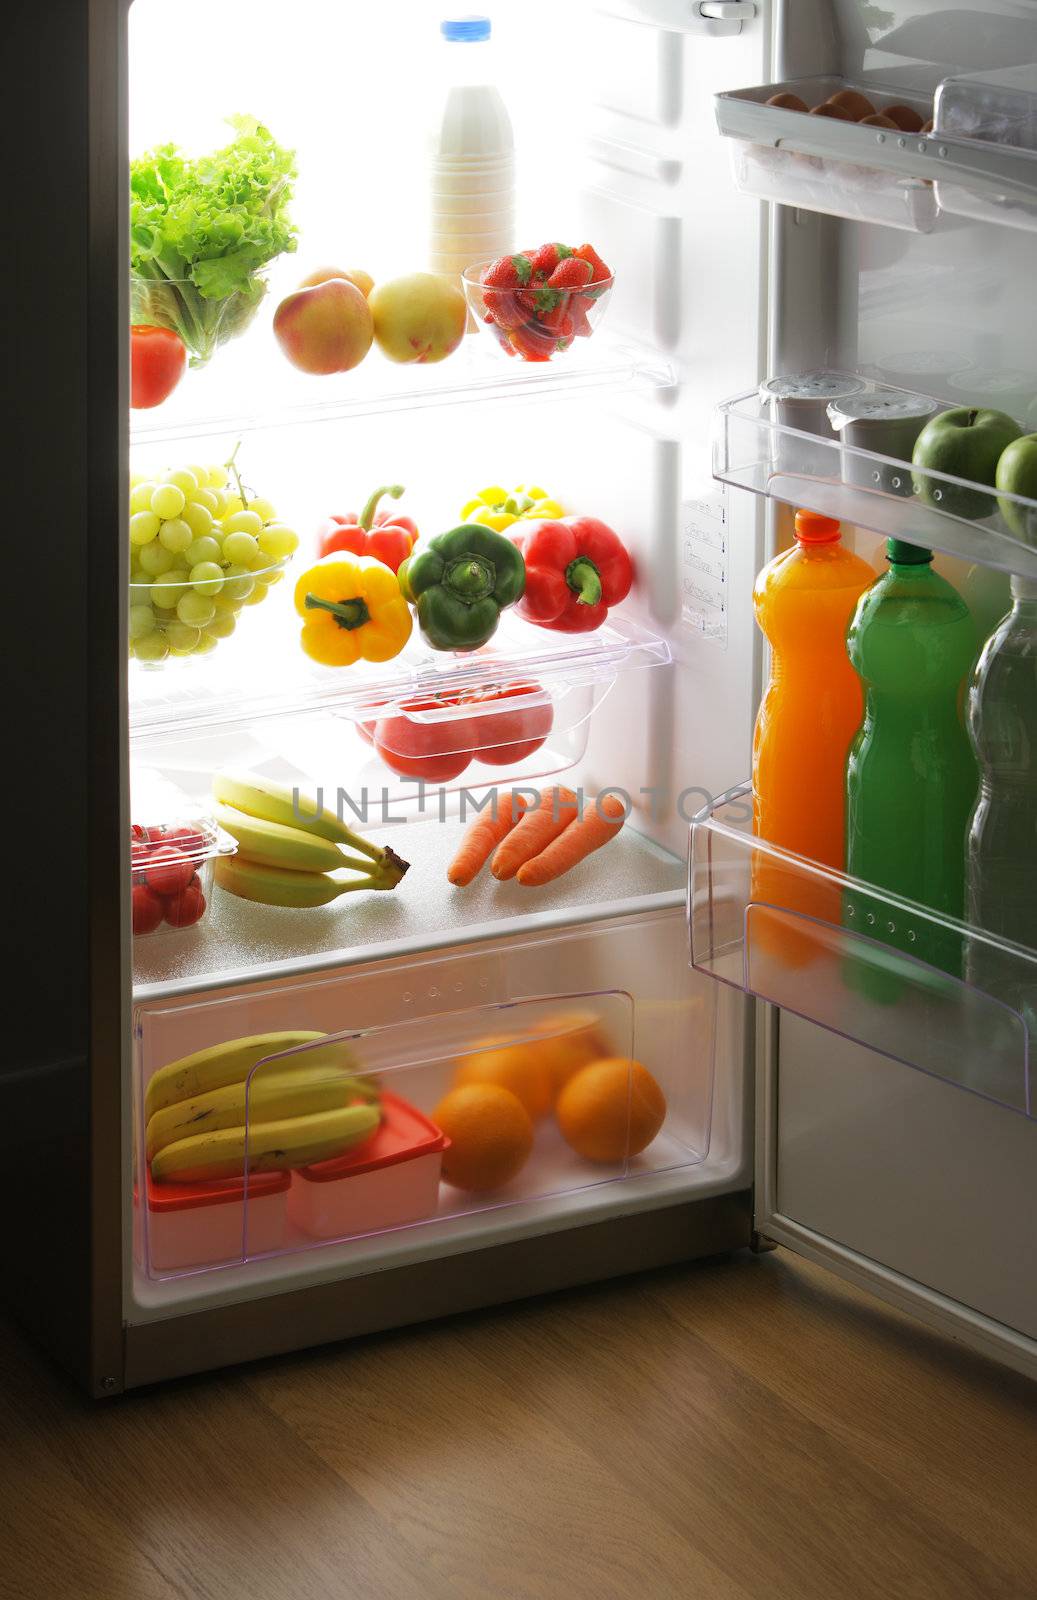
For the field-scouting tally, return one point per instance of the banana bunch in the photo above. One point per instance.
(210, 1114)
(290, 851)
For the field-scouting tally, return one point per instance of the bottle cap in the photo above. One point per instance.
(813, 528)
(466, 30)
(907, 555)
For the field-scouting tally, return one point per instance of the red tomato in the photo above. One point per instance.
(434, 751)
(147, 909)
(504, 738)
(168, 871)
(183, 910)
(158, 359)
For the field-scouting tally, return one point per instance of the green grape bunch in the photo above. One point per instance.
(202, 546)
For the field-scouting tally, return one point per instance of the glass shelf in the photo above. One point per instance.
(872, 174)
(753, 450)
(860, 961)
(249, 387)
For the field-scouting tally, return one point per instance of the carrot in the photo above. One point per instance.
(485, 832)
(600, 822)
(542, 823)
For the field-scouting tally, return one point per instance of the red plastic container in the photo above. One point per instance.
(200, 1224)
(391, 1179)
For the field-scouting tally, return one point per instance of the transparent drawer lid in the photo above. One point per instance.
(273, 679)
(860, 961)
(999, 107)
(161, 813)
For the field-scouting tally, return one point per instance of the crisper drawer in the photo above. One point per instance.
(294, 1116)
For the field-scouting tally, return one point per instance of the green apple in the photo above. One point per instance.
(1017, 474)
(964, 443)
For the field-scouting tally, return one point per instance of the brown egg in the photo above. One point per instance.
(788, 102)
(906, 118)
(927, 127)
(879, 120)
(857, 104)
(840, 113)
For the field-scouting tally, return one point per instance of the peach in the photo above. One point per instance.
(418, 318)
(355, 275)
(325, 328)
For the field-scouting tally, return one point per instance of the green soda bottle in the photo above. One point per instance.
(911, 778)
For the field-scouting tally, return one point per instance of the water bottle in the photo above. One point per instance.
(472, 160)
(1002, 839)
(911, 777)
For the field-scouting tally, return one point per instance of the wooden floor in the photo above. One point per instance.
(748, 1428)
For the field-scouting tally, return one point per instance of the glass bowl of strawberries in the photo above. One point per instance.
(536, 304)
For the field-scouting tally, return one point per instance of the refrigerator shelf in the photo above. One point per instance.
(239, 941)
(859, 961)
(874, 174)
(265, 678)
(250, 388)
(753, 450)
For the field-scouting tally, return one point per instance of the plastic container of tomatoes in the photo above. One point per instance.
(173, 849)
(437, 736)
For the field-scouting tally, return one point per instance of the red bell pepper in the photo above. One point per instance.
(385, 535)
(575, 570)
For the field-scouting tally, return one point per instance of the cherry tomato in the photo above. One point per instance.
(183, 910)
(158, 359)
(147, 909)
(506, 737)
(435, 751)
(167, 871)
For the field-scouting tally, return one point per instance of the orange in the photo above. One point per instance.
(490, 1135)
(576, 1039)
(522, 1068)
(611, 1109)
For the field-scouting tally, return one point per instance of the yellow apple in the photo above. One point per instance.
(326, 328)
(418, 318)
(355, 275)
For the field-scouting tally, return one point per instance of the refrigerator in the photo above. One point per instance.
(891, 1138)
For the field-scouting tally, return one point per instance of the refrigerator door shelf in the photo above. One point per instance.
(997, 109)
(861, 962)
(399, 1171)
(872, 173)
(753, 450)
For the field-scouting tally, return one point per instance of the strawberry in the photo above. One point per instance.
(599, 271)
(503, 309)
(509, 272)
(548, 256)
(578, 304)
(532, 343)
(557, 314)
(571, 274)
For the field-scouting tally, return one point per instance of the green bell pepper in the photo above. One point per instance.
(460, 583)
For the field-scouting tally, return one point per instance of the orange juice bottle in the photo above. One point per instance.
(813, 706)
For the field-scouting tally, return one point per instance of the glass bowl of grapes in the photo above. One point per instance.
(203, 551)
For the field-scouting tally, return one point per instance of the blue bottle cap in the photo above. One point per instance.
(466, 30)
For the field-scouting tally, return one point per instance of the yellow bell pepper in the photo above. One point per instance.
(353, 611)
(499, 508)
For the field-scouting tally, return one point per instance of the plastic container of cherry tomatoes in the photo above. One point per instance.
(173, 849)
